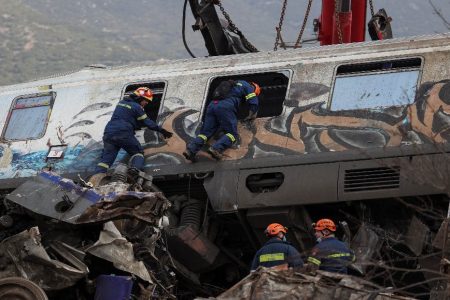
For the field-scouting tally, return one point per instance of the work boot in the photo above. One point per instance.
(215, 153)
(189, 155)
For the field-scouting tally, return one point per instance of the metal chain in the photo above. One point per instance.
(235, 29)
(305, 20)
(280, 24)
(372, 11)
(338, 21)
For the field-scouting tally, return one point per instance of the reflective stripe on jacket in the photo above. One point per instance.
(276, 252)
(332, 255)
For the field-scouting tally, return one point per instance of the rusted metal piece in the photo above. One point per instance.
(270, 284)
(17, 288)
(23, 255)
(192, 248)
(147, 207)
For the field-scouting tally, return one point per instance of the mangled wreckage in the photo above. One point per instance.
(357, 133)
(77, 236)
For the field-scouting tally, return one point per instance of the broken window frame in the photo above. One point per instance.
(232, 75)
(15, 107)
(378, 67)
(143, 83)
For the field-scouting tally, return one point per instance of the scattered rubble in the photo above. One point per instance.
(65, 240)
(286, 284)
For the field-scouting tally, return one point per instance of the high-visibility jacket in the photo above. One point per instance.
(332, 255)
(128, 117)
(277, 252)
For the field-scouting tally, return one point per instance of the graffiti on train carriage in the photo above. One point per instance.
(314, 128)
(298, 130)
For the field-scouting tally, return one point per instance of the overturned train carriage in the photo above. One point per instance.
(352, 132)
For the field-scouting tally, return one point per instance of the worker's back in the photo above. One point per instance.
(277, 252)
(334, 255)
(124, 119)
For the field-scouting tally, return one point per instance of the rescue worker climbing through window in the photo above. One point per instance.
(329, 254)
(221, 114)
(128, 116)
(277, 251)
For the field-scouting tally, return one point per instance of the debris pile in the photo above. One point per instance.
(81, 242)
(287, 284)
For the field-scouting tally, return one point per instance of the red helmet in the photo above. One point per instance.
(257, 88)
(275, 228)
(325, 224)
(145, 93)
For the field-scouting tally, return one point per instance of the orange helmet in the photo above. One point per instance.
(274, 229)
(257, 88)
(325, 224)
(144, 92)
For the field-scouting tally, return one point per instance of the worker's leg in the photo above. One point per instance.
(110, 150)
(132, 146)
(228, 123)
(209, 127)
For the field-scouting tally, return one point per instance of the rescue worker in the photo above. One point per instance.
(277, 251)
(329, 254)
(128, 116)
(221, 113)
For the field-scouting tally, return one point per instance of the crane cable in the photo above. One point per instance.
(280, 24)
(233, 28)
(372, 10)
(183, 30)
(338, 21)
(305, 20)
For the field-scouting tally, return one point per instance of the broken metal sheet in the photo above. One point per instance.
(72, 255)
(270, 284)
(111, 246)
(365, 244)
(147, 207)
(23, 255)
(53, 196)
(416, 236)
(439, 241)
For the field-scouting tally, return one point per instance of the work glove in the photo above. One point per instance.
(166, 134)
(251, 116)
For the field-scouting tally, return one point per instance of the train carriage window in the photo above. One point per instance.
(28, 117)
(376, 85)
(273, 92)
(157, 88)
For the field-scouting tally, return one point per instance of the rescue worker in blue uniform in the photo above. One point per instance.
(329, 254)
(221, 113)
(128, 116)
(277, 251)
